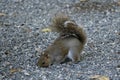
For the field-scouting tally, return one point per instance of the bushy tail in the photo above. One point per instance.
(58, 22)
(67, 28)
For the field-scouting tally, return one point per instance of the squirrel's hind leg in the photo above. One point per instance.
(74, 54)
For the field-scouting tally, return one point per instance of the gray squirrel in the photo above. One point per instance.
(69, 44)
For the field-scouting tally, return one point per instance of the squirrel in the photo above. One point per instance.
(69, 44)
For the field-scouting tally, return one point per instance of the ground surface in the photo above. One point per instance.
(21, 22)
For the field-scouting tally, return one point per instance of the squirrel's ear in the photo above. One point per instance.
(46, 55)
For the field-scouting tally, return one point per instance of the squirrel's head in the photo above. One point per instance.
(44, 60)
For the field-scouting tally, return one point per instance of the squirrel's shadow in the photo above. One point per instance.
(67, 60)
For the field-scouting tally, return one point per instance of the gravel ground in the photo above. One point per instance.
(21, 39)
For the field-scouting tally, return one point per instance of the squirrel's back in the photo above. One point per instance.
(68, 28)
